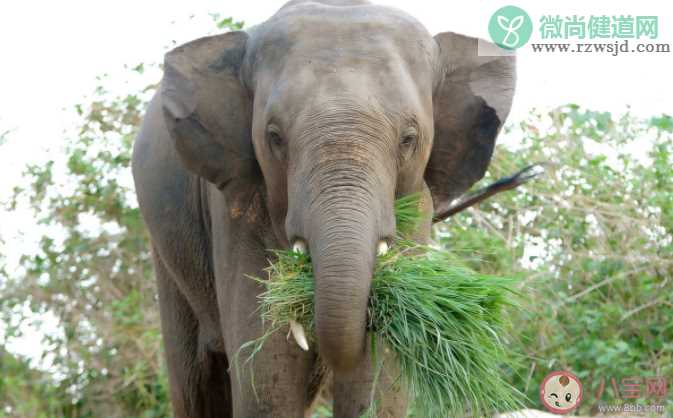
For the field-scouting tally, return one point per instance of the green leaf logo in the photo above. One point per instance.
(510, 27)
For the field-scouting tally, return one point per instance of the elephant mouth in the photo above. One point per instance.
(296, 329)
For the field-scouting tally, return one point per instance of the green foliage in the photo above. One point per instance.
(407, 215)
(3, 136)
(594, 240)
(29, 393)
(227, 23)
(91, 271)
(445, 322)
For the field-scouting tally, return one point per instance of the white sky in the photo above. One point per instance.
(52, 52)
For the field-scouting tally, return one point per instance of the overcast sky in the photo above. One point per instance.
(52, 52)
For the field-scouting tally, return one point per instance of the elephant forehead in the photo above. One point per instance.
(342, 36)
(313, 95)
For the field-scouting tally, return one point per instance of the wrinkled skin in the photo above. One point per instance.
(306, 128)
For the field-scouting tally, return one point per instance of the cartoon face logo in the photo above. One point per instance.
(561, 392)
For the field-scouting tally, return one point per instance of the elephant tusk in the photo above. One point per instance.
(296, 329)
(298, 333)
(299, 246)
(382, 248)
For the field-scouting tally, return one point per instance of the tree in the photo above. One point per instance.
(593, 243)
(92, 270)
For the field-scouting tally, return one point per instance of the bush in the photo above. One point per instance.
(594, 242)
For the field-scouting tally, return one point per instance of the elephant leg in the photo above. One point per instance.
(352, 391)
(275, 383)
(198, 378)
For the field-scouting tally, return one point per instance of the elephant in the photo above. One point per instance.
(300, 133)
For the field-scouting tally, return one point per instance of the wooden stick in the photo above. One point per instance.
(501, 185)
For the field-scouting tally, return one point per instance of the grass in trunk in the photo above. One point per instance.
(443, 320)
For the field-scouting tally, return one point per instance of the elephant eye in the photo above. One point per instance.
(275, 139)
(276, 142)
(408, 139)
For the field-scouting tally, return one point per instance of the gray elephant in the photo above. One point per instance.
(301, 133)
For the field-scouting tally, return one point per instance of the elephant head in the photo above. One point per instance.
(340, 110)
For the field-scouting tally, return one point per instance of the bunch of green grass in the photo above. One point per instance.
(441, 319)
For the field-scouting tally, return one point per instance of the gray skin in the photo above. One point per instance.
(305, 128)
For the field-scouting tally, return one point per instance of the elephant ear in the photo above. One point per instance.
(472, 98)
(207, 109)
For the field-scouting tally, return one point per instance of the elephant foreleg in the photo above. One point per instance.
(198, 378)
(275, 383)
(352, 391)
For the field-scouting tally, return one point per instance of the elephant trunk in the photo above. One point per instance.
(344, 170)
(343, 253)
